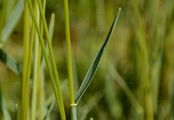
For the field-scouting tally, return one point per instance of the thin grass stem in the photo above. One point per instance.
(25, 81)
(36, 71)
(69, 60)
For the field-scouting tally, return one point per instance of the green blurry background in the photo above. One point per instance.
(135, 78)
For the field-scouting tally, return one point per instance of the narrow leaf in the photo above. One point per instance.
(12, 21)
(10, 62)
(93, 67)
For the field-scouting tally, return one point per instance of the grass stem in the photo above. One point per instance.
(69, 60)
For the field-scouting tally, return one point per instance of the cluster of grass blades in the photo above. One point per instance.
(34, 44)
(136, 85)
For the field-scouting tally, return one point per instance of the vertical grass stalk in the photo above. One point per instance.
(24, 102)
(28, 45)
(41, 105)
(36, 71)
(69, 60)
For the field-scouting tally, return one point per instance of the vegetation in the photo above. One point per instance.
(53, 64)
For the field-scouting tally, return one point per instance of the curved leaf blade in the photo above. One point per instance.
(93, 67)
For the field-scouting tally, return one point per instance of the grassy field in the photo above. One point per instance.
(86, 60)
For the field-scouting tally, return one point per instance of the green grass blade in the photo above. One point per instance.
(69, 51)
(93, 67)
(10, 62)
(36, 70)
(12, 21)
(69, 60)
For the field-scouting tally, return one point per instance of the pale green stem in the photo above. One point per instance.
(25, 81)
(69, 60)
(36, 72)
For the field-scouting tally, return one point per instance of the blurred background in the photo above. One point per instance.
(135, 78)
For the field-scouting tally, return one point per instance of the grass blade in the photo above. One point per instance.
(93, 67)
(36, 70)
(12, 21)
(10, 62)
(69, 60)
